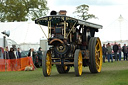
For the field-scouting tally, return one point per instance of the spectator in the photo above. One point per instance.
(39, 53)
(11, 54)
(127, 50)
(109, 51)
(124, 50)
(119, 52)
(6, 53)
(32, 54)
(115, 49)
(104, 52)
(18, 54)
(13, 59)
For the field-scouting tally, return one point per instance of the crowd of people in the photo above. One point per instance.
(114, 51)
(34, 54)
(13, 55)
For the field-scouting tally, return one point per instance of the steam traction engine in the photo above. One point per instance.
(72, 43)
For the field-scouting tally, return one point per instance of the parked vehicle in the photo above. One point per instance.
(114, 56)
(24, 54)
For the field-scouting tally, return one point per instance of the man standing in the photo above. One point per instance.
(6, 57)
(12, 60)
(124, 49)
(18, 54)
(6, 53)
(120, 49)
(115, 49)
(32, 54)
(39, 53)
(104, 52)
(109, 51)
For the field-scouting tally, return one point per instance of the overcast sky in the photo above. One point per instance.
(107, 11)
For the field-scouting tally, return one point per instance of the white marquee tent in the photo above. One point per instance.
(116, 31)
(24, 32)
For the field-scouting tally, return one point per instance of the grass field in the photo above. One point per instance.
(115, 73)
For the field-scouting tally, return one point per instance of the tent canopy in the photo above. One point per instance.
(23, 32)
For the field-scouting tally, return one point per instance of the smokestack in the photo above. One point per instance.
(53, 13)
(62, 12)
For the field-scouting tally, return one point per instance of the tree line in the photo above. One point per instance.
(23, 10)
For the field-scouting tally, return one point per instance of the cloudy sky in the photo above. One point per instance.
(107, 11)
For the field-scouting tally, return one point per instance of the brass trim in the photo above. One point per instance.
(56, 40)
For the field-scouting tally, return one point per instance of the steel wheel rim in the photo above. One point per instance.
(80, 63)
(48, 63)
(98, 55)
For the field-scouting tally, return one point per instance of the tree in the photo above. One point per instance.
(82, 12)
(22, 10)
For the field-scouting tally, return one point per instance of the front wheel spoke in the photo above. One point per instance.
(99, 58)
(79, 64)
(48, 63)
(48, 71)
(95, 49)
(80, 68)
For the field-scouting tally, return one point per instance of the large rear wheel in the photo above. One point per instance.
(78, 62)
(46, 63)
(95, 53)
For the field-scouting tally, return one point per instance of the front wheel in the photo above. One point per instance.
(78, 62)
(46, 63)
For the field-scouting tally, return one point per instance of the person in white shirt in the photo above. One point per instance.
(32, 54)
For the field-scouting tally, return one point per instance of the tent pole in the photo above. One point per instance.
(43, 31)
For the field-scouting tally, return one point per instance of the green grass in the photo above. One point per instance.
(115, 73)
